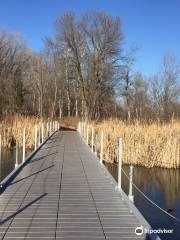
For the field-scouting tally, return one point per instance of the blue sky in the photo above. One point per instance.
(153, 25)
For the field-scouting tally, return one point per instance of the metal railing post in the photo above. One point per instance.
(60, 113)
(79, 128)
(46, 129)
(24, 144)
(17, 155)
(87, 134)
(130, 195)
(92, 139)
(96, 142)
(84, 130)
(119, 162)
(35, 138)
(101, 153)
(50, 128)
(42, 132)
(39, 135)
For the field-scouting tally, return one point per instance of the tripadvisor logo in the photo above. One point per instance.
(140, 230)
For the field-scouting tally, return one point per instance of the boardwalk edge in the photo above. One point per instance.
(4, 183)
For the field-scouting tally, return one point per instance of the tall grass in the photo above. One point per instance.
(147, 145)
(11, 130)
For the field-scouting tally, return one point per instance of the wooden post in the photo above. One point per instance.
(17, 155)
(130, 195)
(35, 138)
(101, 153)
(119, 162)
(92, 139)
(24, 144)
(87, 134)
(42, 133)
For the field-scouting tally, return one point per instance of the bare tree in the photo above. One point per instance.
(126, 77)
(140, 100)
(93, 43)
(165, 87)
(12, 62)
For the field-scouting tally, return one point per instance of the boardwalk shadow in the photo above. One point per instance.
(22, 209)
(53, 138)
(44, 169)
(50, 147)
(42, 157)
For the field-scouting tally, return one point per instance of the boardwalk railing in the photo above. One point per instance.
(97, 147)
(79, 197)
(40, 135)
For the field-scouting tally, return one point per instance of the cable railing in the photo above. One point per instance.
(97, 146)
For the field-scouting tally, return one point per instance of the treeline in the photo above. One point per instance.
(84, 71)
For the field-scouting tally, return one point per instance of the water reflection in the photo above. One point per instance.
(163, 187)
(7, 162)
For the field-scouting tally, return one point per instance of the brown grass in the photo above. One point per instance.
(146, 145)
(11, 129)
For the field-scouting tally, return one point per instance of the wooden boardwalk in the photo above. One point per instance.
(64, 193)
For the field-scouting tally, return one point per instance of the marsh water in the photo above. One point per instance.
(8, 159)
(160, 185)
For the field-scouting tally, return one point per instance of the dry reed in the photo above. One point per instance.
(146, 145)
(11, 129)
